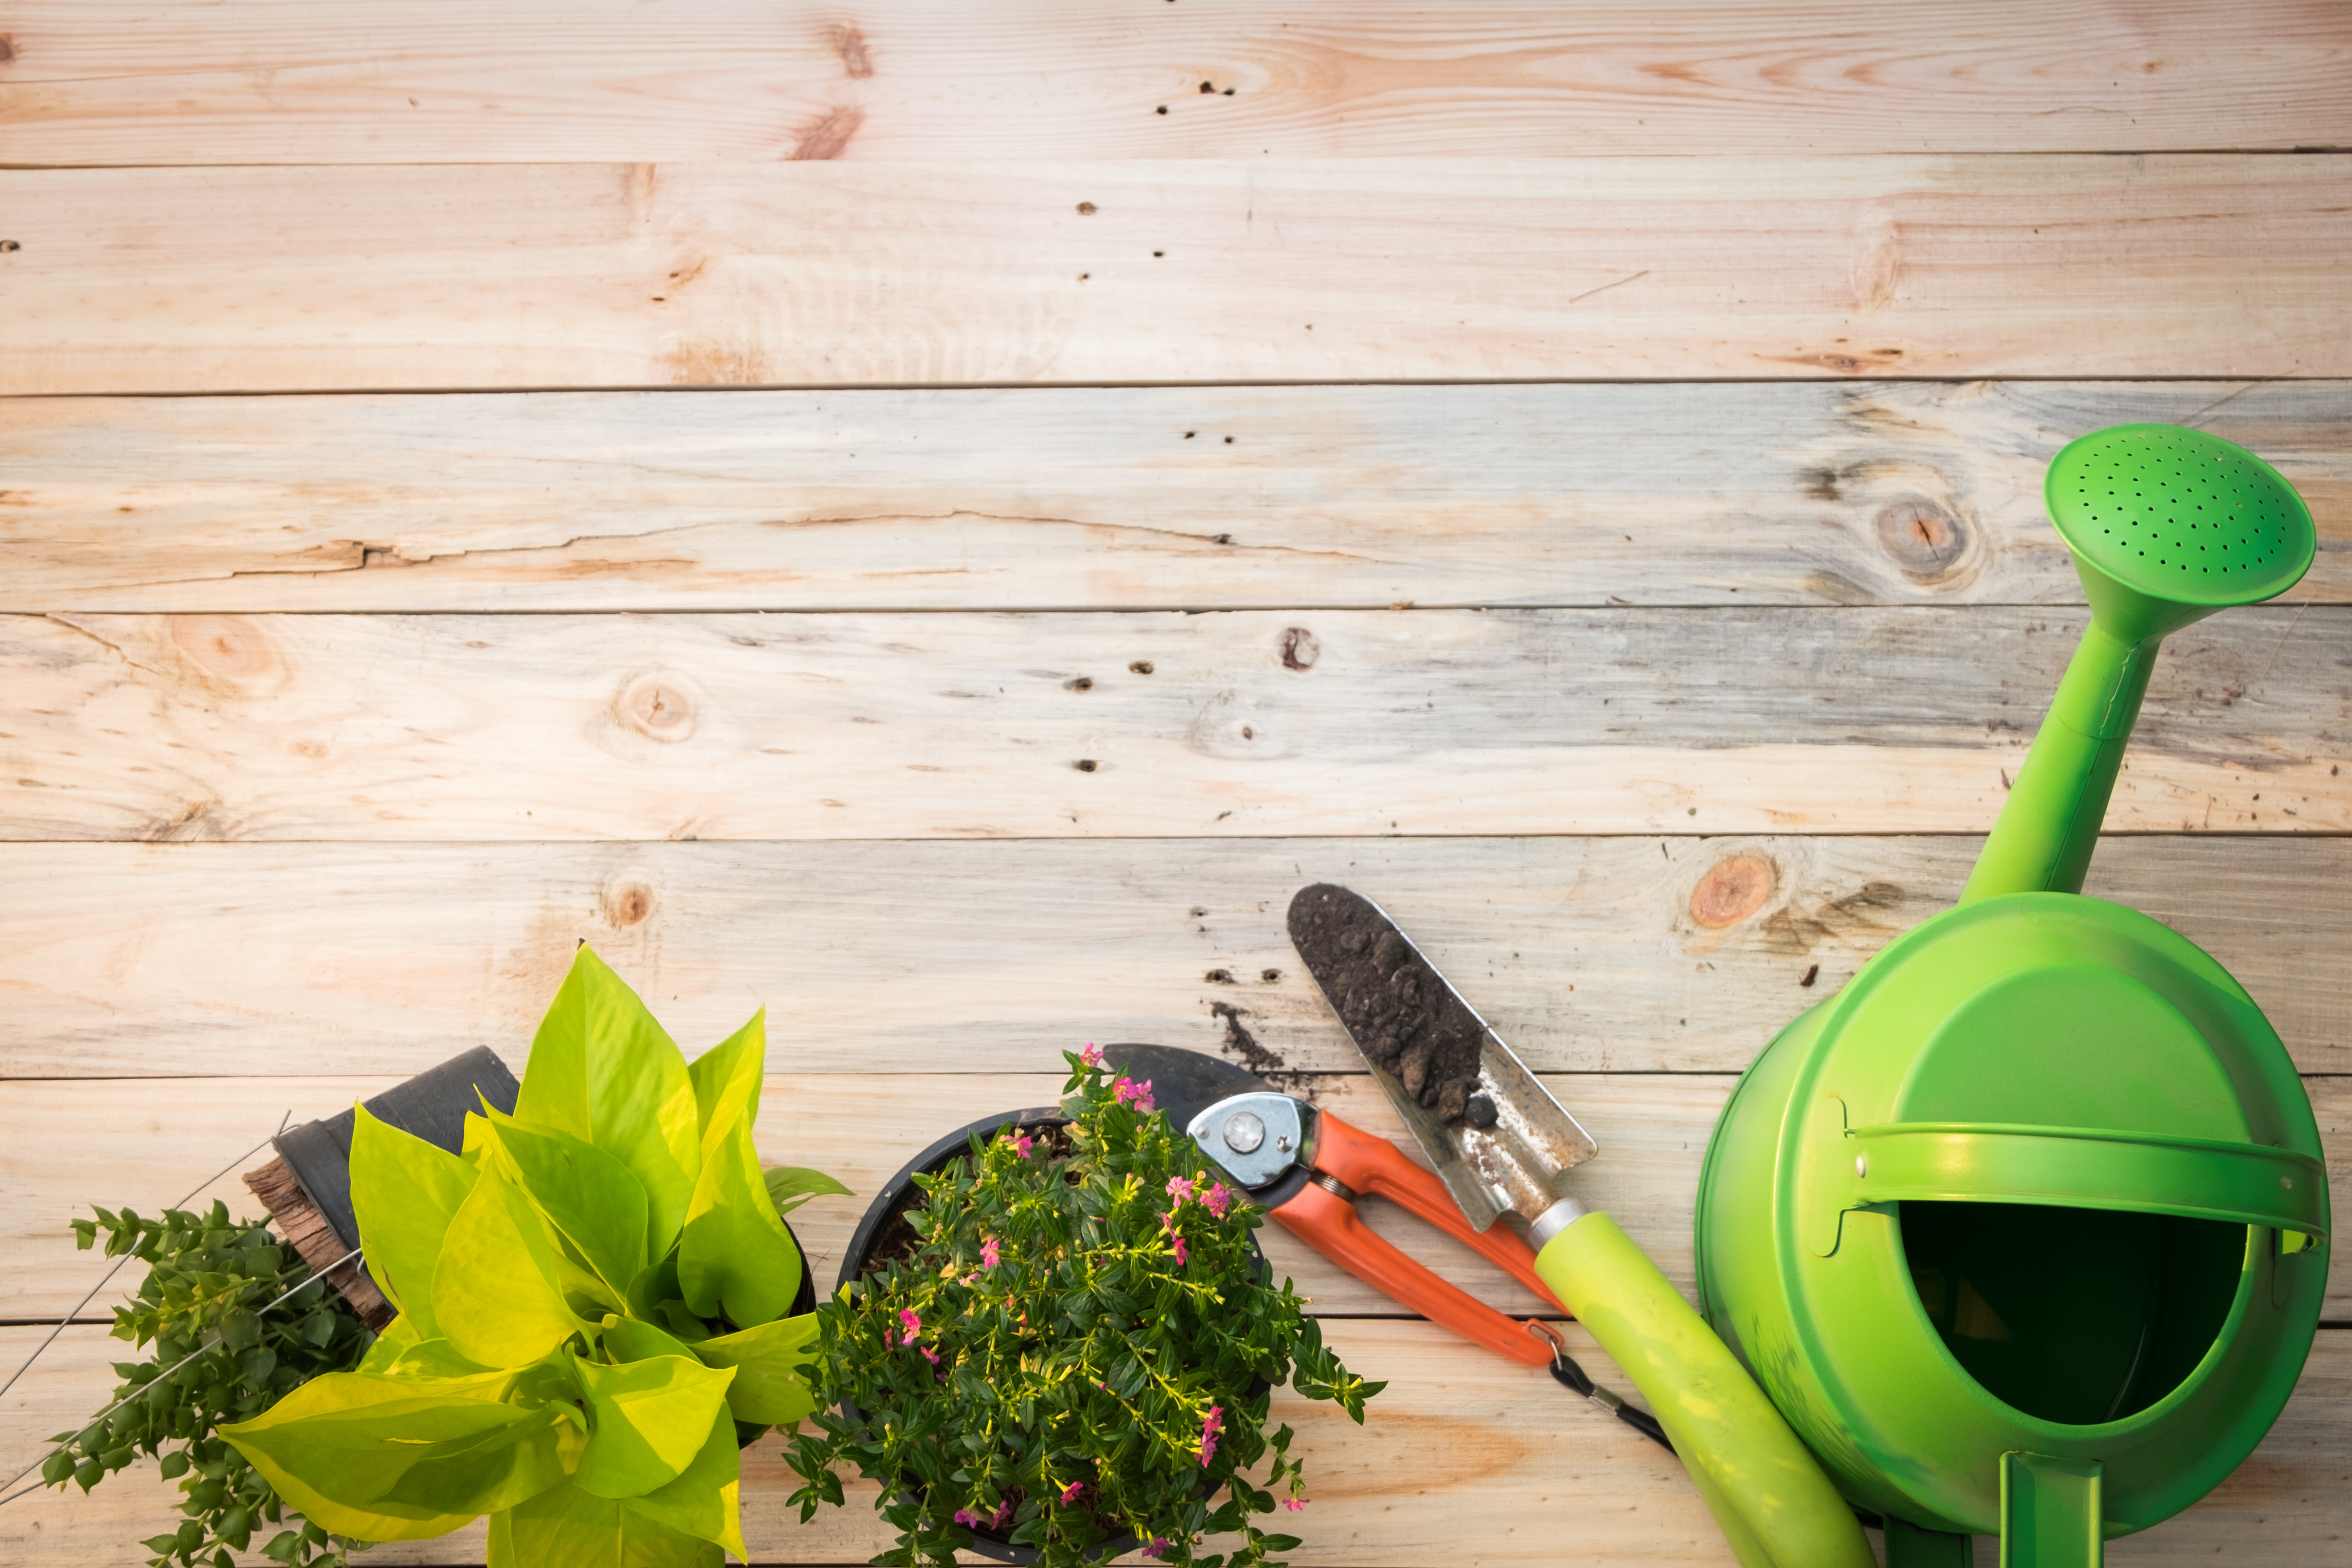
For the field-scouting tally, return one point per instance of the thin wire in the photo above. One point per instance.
(67, 1321)
(316, 1275)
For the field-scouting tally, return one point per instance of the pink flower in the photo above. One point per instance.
(932, 1354)
(1159, 1547)
(988, 1253)
(1072, 1491)
(1004, 1512)
(1180, 1188)
(1128, 1089)
(1296, 1503)
(1211, 1425)
(1217, 1199)
(914, 1324)
(1091, 1056)
(1177, 1242)
(964, 1516)
(1020, 1142)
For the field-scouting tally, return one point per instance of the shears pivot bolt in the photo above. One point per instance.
(1244, 1133)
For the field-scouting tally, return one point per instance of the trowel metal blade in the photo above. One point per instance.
(1515, 1164)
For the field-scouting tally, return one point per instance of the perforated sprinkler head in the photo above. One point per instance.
(2168, 525)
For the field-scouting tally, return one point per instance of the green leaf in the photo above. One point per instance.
(495, 1289)
(705, 1501)
(601, 1069)
(727, 1078)
(396, 1460)
(634, 1339)
(398, 1335)
(772, 1364)
(592, 1199)
(789, 1187)
(404, 1194)
(646, 1420)
(735, 1256)
(566, 1526)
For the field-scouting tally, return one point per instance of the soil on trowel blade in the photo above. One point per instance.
(1403, 1016)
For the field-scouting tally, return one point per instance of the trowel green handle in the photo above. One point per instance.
(1768, 1492)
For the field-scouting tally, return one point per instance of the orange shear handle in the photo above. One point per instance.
(1375, 1166)
(1330, 1224)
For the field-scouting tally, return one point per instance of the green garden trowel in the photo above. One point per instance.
(1502, 1145)
(2025, 1230)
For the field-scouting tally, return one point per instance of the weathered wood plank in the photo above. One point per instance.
(861, 1127)
(273, 960)
(258, 82)
(1506, 1467)
(63, 1155)
(1882, 492)
(508, 277)
(1257, 723)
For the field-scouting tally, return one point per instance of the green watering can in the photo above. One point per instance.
(2026, 1229)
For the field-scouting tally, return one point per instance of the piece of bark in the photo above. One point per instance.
(303, 1222)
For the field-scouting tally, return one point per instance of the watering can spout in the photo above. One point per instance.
(2167, 527)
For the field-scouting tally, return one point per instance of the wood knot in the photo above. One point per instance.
(1299, 648)
(1731, 891)
(628, 904)
(658, 709)
(226, 650)
(1927, 540)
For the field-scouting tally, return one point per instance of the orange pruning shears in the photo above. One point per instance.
(1307, 1167)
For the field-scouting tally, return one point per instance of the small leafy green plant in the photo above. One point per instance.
(207, 1280)
(1077, 1343)
(591, 1296)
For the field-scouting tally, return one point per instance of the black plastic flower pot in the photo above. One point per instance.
(901, 1194)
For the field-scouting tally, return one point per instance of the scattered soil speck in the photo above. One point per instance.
(1085, 765)
(1244, 1047)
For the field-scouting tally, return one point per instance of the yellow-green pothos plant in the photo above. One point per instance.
(591, 1296)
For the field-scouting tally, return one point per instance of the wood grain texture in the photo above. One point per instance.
(93, 81)
(1590, 955)
(1249, 723)
(1508, 1467)
(859, 1128)
(501, 277)
(1741, 494)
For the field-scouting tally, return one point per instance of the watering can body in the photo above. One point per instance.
(2026, 1229)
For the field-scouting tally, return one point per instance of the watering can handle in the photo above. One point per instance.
(2067, 1168)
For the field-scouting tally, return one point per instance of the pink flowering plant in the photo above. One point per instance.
(1075, 1354)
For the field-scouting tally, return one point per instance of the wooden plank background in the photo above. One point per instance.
(704, 478)
(447, 81)
(515, 277)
